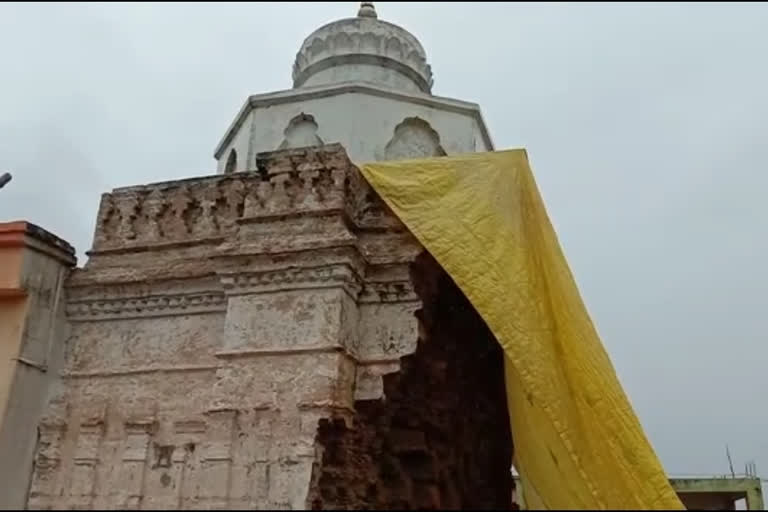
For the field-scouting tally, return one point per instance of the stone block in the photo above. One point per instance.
(387, 331)
(284, 321)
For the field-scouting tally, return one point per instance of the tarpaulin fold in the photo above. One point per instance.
(578, 442)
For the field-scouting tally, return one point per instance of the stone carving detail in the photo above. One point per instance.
(296, 192)
(381, 292)
(299, 181)
(217, 458)
(47, 464)
(414, 138)
(152, 207)
(86, 458)
(246, 458)
(233, 198)
(285, 279)
(169, 212)
(138, 435)
(127, 212)
(301, 132)
(290, 182)
(207, 224)
(83, 310)
(176, 220)
(185, 460)
(329, 156)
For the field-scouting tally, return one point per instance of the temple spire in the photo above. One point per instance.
(367, 10)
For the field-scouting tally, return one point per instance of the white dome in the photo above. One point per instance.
(363, 49)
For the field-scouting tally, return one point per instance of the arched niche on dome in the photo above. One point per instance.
(413, 138)
(301, 132)
(231, 162)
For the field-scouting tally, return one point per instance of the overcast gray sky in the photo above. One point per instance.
(646, 125)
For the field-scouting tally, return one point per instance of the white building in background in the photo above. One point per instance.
(361, 82)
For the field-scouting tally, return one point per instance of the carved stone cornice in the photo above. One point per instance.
(299, 201)
(315, 158)
(332, 275)
(386, 292)
(206, 210)
(148, 306)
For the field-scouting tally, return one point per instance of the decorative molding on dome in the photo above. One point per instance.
(301, 132)
(358, 40)
(414, 138)
(144, 307)
(258, 101)
(373, 60)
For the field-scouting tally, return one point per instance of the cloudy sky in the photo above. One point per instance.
(646, 124)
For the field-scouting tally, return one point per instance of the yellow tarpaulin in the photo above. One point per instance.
(578, 443)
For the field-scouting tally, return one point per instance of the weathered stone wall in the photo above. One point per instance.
(216, 322)
(220, 320)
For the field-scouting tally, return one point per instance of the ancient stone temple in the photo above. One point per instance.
(267, 337)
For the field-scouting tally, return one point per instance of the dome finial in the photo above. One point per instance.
(367, 10)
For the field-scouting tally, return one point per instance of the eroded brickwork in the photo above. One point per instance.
(439, 438)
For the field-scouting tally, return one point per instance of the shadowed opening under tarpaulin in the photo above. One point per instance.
(578, 442)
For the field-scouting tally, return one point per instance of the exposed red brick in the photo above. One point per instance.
(409, 440)
(440, 439)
